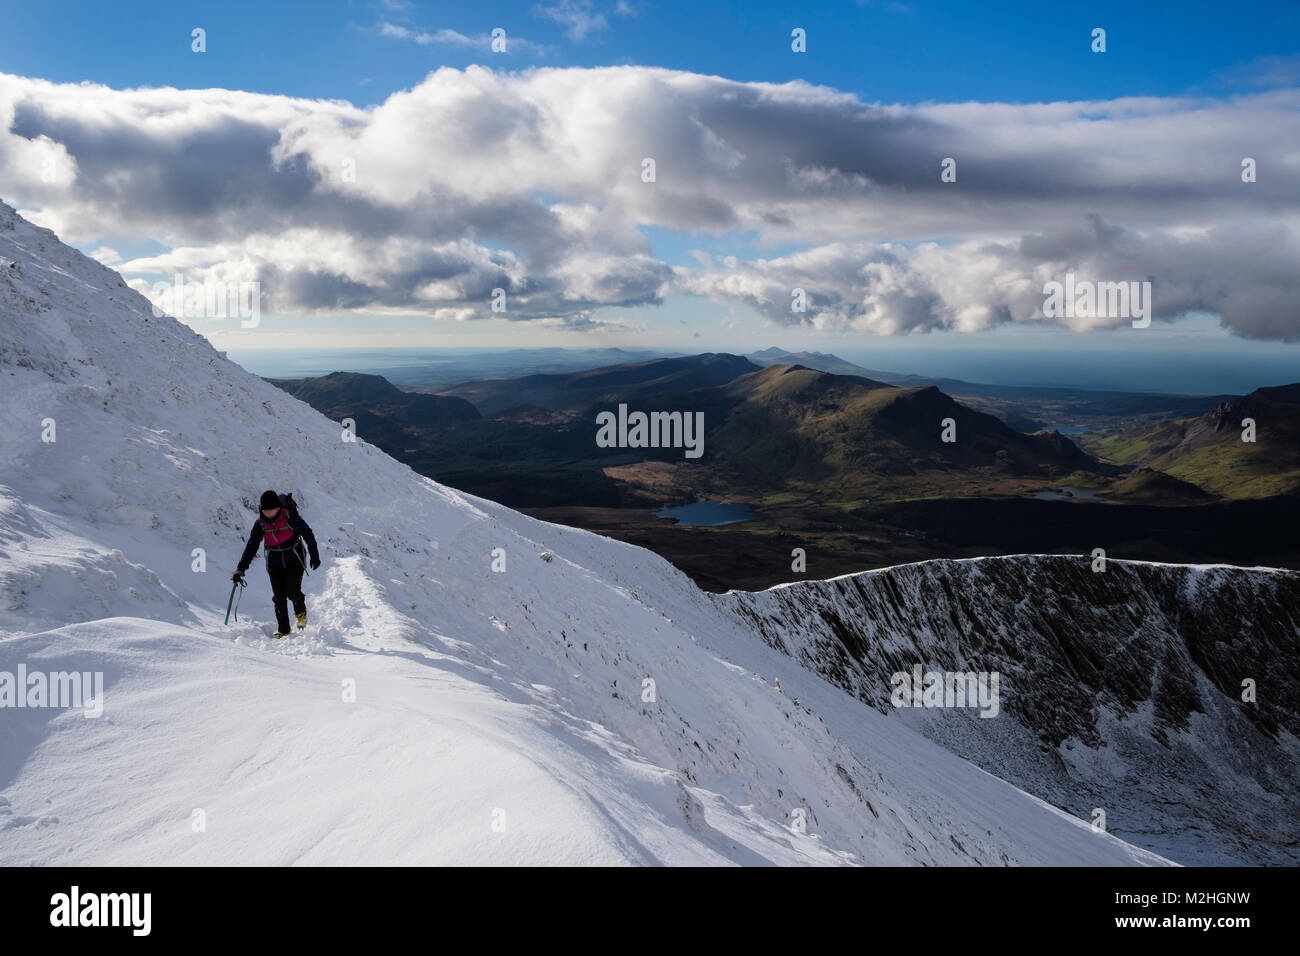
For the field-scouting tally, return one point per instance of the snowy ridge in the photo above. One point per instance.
(482, 698)
(1121, 690)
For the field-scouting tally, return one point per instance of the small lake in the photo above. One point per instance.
(707, 513)
(1069, 493)
(1068, 429)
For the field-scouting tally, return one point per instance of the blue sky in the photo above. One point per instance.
(758, 193)
(891, 52)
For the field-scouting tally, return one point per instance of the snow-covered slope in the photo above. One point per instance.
(498, 717)
(1120, 689)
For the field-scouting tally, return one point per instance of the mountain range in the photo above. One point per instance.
(626, 382)
(852, 467)
(1211, 451)
(479, 687)
(1022, 407)
(788, 429)
(770, 432)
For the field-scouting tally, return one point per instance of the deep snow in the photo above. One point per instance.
(481, 698)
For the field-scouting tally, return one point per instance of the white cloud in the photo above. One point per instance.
(578, 17)
(387, 29)
(531, 181)
(105, 256)
(447, 37)
(973, 286)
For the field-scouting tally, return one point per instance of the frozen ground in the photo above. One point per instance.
(499, 717)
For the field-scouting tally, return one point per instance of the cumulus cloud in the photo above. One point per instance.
(106, 256)
(532, 182)
(1245, 275)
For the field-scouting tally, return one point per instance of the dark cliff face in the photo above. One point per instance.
(1120, 690)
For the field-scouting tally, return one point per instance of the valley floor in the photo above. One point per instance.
(756, 554)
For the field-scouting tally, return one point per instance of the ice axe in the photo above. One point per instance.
(239, 583)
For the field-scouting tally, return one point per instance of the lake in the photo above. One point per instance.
(707, 513)
(1069, 493)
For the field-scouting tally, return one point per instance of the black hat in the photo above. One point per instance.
(270, 501)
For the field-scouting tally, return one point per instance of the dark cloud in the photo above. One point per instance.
(532, 182)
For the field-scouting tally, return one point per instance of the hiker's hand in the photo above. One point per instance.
(315, 563)
(237, 576)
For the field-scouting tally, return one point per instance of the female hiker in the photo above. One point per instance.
(282, 531)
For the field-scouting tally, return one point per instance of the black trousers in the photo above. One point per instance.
(286, 585)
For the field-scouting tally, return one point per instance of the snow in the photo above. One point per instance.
(1120, 690)
(498, 717)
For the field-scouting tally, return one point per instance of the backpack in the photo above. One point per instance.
(278, 531)
(275, 531)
